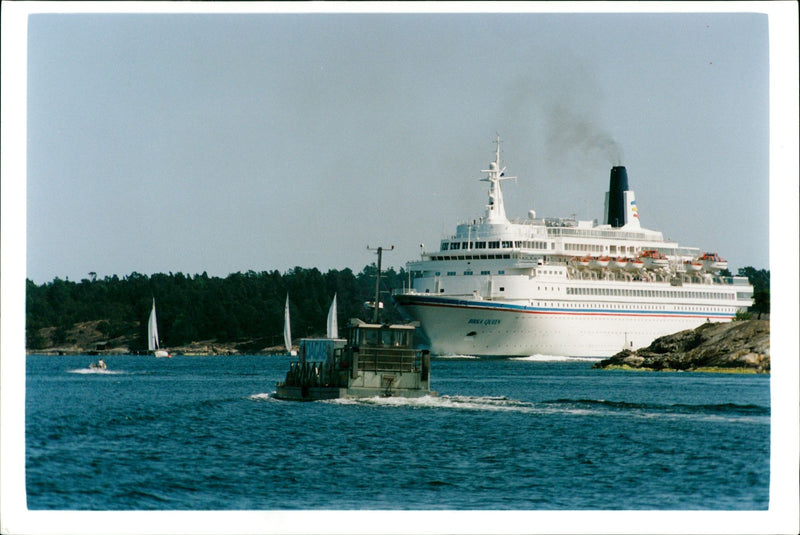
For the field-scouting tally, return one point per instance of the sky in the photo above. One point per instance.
(231, 142)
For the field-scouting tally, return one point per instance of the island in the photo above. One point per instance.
(732, 347)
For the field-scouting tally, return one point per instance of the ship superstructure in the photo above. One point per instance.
(561, 286)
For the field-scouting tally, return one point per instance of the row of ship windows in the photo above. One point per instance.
(470, 272)
(593, 247)
(499, 272)
(597, 248)
(465, 246)
(650, 293)
(473, 257)
(626, 306)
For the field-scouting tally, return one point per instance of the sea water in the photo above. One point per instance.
(206, 433)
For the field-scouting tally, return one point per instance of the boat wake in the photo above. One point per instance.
(556, 358)
(97, 371)
(471, 403)
(571, 407)
(457, 357)
(601, 407)
(262, 396)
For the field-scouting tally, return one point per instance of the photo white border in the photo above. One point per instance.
(782, 516)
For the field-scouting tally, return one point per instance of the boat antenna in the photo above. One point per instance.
(495, 210)
(378, 281)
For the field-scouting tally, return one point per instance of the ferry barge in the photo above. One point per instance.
(374, 360)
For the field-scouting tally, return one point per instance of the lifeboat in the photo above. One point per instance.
(712, 262)
(634, 264)
(581, 262)
(692, 266)
(599, 262)
(653, 259)
(618, 263)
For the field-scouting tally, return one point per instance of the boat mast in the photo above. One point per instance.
(495, 210)
(378, 283)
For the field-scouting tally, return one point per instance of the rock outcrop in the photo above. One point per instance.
(737, 345)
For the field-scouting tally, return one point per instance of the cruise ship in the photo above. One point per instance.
(562, 286)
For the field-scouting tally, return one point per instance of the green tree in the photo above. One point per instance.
(760, 280)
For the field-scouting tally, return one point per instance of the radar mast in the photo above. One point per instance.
(495, 210)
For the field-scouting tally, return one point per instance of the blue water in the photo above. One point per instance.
(205, 433)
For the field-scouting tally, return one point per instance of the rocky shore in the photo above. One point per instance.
(87, 338)
(737, 346)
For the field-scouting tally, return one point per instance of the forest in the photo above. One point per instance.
(242, 307)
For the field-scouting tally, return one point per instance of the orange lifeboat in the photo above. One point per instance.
(600, 262)
(618, 263)
(653, 259)
(712, 262)
(692, 266)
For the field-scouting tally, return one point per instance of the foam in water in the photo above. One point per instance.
(555, 358)
(471, 403)
(576, 407)
(97, 371)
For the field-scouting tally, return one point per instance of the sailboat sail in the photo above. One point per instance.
(333, 322)
(287, 328)
(152, 335)
(152, 330)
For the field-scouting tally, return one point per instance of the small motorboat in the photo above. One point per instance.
(99, 365)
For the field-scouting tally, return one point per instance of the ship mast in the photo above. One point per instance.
(495, 210)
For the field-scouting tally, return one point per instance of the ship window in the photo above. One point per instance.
(451, 273)
(468, 272)
(370, 337)
(445, 245)
(507, 245)
(455, 246)
(494, 245)
(480, 245)
(465, 245)
(502, 288)
(486, 272)
(501, 272)
(438, 273)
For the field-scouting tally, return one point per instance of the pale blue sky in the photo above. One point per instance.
(230, 142)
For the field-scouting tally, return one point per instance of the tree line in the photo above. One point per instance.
(239, 307)
(759, 278)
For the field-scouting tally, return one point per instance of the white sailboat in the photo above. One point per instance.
(152, 335)
(287, 330)
(333, 321)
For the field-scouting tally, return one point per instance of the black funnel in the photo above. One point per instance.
(616, 200)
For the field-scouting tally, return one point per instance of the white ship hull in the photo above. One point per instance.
(482, 328)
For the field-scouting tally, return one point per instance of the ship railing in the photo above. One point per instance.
(388, 359)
